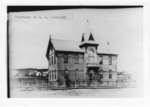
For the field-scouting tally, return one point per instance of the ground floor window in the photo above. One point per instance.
(110, 76)
(101, 76)
(55, 76)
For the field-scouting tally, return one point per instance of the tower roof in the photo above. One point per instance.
(88, 32)
(82, 38)
(87, 36)
(91, 37)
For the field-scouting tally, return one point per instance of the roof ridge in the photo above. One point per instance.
(64, 40)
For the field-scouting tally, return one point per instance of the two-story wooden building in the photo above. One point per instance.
(79, 61)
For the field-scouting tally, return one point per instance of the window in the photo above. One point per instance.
(110, 60)
(52, 59)
(50, 62)
(101, 60)
(91, 53)
(110, 76)
(81, 58)
(65, 58)
(76, 58)
(50, 75)
(101, 76)
(55, 74)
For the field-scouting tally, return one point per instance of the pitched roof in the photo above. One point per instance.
(66, 45)
(73, 46)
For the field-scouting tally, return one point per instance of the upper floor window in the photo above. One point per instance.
(52, 60)
(76, 58)
(110, 60)
(81, 59)
(49, 75)
(65, 58)
(100, 60)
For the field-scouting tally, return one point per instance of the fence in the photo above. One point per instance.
(34, 83)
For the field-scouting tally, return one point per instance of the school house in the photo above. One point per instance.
(79, 61)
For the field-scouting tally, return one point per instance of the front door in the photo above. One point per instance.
(92, 74)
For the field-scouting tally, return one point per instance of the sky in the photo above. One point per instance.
(29, 34)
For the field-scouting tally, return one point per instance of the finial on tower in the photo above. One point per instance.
(82, 37)
(91, 37)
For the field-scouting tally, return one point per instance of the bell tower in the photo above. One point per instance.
(89, 46)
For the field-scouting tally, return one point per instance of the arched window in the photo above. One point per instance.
(91, 52)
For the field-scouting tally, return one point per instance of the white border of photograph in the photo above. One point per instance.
(64, 102)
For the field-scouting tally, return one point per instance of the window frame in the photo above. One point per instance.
(76, 57)
(110, 60)
(66, 58)
(110, 76)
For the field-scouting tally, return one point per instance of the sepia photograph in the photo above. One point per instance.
(74, 51)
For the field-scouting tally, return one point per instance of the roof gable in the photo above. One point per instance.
(49, 47)
(66, 45)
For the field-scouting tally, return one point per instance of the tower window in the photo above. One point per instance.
(91, 52)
